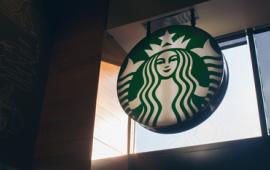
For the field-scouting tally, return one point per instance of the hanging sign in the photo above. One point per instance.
(173, 79)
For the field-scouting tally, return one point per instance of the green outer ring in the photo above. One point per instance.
(206, 111)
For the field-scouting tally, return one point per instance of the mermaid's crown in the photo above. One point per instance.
(167, 43)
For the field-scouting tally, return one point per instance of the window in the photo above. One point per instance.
(262, 41)
(236, 117)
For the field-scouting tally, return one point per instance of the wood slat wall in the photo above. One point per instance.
(66, 128)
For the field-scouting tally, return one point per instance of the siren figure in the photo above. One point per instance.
(168, 92)
(166, 95)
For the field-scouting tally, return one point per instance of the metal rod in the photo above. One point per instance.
(129, 136)
(257, 81)
(192, 17)
(148, 29)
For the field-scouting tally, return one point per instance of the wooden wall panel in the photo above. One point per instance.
(66, 128)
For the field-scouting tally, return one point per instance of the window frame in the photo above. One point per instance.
(249, 34)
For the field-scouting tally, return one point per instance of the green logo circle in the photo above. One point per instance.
(170, 79)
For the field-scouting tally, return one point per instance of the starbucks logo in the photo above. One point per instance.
(173, 79)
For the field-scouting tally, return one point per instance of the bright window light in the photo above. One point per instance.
(262, 41)
(236, 118)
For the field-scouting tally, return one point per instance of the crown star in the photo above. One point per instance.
(166, 38)
(167, 43)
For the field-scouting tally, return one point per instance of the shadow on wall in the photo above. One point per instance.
(4, 167)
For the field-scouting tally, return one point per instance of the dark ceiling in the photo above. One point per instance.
(218, 17)
(123, 12)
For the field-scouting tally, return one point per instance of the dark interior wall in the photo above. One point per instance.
(66, 36)
(248, 154)
(67, 119)
(22, 66)
(115, 163)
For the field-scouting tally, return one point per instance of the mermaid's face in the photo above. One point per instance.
(166, 63)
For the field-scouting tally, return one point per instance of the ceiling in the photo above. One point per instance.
(122, 12)
(218, 17)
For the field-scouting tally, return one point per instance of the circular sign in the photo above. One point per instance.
(173, 79)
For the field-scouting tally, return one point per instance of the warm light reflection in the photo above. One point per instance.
(110, 132)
